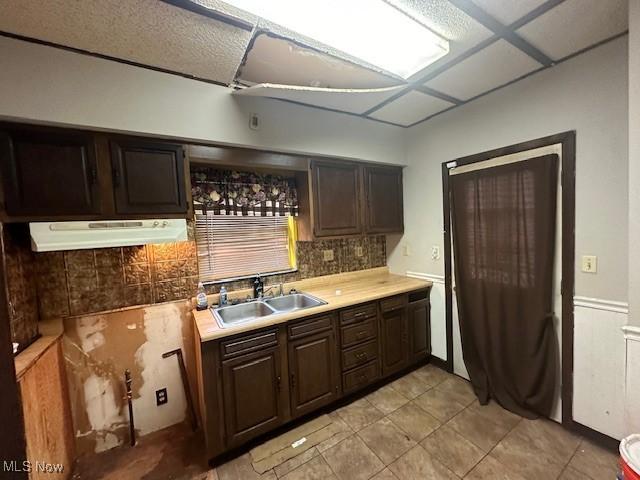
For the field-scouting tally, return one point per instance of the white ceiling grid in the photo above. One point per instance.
(492, 43)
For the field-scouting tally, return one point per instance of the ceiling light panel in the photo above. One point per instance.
(440, 16)
(491, 67)
(370, 30)
(508, 11)
(410, 108)
(576, 24)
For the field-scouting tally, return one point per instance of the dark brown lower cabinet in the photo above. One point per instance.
(253, 382)
(419, 329)
(394, 340)
(312, 372)
(251, 390)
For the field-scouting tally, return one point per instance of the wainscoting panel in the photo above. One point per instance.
(632, 418)
(599, 365)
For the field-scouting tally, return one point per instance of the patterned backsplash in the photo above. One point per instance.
(78, 282)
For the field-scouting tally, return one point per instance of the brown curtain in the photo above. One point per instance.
(504, 221)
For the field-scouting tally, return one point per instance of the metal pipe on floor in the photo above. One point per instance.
(132, 431)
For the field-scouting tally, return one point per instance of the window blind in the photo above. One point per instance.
(235, 246)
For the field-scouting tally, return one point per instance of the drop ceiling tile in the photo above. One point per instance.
(410, 108)
(440, 16)
(280, 61)
(508, 11)
(345, 100)
(491, 67)
(144, 31)
(576, 24)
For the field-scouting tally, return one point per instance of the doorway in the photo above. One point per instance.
(564, 146)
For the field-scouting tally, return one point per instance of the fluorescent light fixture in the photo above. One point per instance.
(370, 30)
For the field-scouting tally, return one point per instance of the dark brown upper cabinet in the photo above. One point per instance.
(350, 198)
(336, 198)
(148, 177)
(313, 372)
(57, 174)
(48, 173)
(383, 212)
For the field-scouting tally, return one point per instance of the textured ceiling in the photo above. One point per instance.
(492, 43)
(149, 32)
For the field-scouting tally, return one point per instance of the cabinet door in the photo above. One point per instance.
(49, 173)
(336, 198)
(419, 330)
(383, 199)
(313, 371)
(251, 392)
(394, 341)
(148, 177)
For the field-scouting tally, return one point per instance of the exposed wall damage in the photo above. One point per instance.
(98, 348)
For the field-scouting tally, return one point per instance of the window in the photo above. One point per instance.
(236, 246)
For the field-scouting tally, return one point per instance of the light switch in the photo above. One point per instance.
(327, 255)
(359, 251)
(589, 264)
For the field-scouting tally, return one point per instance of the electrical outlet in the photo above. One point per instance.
(359, 251)
(406, 251)
(590, 264)
(161, 396)
(327, 255)
(435, 252)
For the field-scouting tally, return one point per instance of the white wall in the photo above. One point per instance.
(49, 85)
(633, 336)
(634, 161)
(588, 94)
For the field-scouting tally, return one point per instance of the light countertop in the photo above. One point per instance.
(339, 291)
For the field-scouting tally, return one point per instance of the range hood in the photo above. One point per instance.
(52, 236)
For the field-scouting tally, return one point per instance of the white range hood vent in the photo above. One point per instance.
(52, 236)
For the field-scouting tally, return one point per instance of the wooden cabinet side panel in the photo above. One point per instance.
(210, 384)
(47, 413)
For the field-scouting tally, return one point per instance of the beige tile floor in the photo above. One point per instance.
(428, 425)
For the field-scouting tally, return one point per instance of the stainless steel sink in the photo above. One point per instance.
(294, 301)
(230, 315)
(241, 313)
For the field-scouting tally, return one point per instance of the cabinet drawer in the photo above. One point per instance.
(393, 303)
(360, 377)
(359, 355)
(248, 343)
(358, 314)
(359, 332)
(309, 326)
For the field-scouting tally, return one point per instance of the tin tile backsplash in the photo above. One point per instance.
(78, 282)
